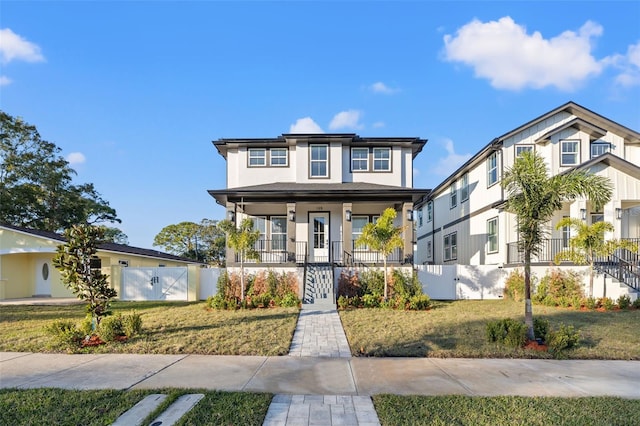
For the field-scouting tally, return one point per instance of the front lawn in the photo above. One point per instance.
(457, 330)
(168, 328)
(505, 410)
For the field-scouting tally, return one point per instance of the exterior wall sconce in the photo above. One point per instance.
(410, 215)
(583, 214)
(231, 215)
(618, 213)
(347, 215)
(292, 215)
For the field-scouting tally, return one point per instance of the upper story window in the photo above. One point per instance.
(599, 148)
(382, 159)
(420, 218)
(464, 188)
(319, 161)
(453, 195)
(569, 152)
(429, 211)
(523, 148)
(359, 159)
(429, 249)
(278, 157)
(492, 235)
(492, 169)
(257, 157)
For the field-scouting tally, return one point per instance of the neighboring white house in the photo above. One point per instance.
(311, 194)
(462, 221)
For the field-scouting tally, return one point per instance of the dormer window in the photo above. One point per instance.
(520, 149)
(570, 152)
(599, 148)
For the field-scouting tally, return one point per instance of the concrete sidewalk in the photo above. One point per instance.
(323, 376)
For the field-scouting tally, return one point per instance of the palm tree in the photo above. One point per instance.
(242, 240)
(383, 237)
(534, 196)
(589, 243)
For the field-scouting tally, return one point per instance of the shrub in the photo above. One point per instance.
(565, 337)
(349, 285)
(419, 302)
(371, 300)
(636, 303)
(404, 285)
(607, 303)
(289, 300)
(624, 301)
(559, 288)
(540, 328)
(372, 282)
(508, 332)
(110, 328)
(514, 286)
(343, 302)
(577, 302)
(217, 302)
(590, 303)
(87, 325)
(65, 333)
(132, 324)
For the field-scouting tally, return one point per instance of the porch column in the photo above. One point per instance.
(408, 229)
(291, 230)
(230, 254)
(346, 228)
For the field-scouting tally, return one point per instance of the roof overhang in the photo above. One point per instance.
(592, 130)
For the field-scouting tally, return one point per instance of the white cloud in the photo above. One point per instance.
(14, 47)
(629, 65)
(76, 158)
(510, 58)
(449, 164)
(346, 120)
(305, 125)
(378, 124)
(380, 87)
(4, 81)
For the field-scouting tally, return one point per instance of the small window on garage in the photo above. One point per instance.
(123, 263)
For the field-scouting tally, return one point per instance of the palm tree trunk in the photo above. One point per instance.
(242, 276)
(528, 310)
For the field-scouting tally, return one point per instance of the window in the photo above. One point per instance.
(523, 148)
(569, 152)
(566, 235)
(597, 217)
(257, 157)
(429, 249)
(359, 159)
(319, 161)
(123, 263)
(492, 235)
(278, 233)
(260, 223)
(599, 148)
(357, 224)
(420, 218)
(464, 188)
(382, 159)
(429, 211)
(451, 246)
(453, 195)
(278, 157)
(492, 169)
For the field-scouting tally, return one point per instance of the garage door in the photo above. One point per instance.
(154, 284)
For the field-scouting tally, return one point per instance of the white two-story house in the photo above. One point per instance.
(310, 195)
(463, 222)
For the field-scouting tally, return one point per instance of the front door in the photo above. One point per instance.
(319, 237)
(43, 278)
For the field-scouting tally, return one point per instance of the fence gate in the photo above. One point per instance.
(154, 284)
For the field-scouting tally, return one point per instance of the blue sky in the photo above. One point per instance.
(134, 92)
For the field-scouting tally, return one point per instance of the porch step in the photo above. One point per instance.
(319, 287)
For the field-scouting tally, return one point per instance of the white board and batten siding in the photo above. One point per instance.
(155, 284)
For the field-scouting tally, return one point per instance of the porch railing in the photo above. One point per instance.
(553, 246)
(350, 254)
(274, 252)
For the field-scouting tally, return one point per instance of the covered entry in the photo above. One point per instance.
(155, 284)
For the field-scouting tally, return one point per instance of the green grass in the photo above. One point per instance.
(457, 329)
(505, 410)
(168, 328)
(100, 407)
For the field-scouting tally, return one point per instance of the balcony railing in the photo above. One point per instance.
(274, 252)
(553, 246)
